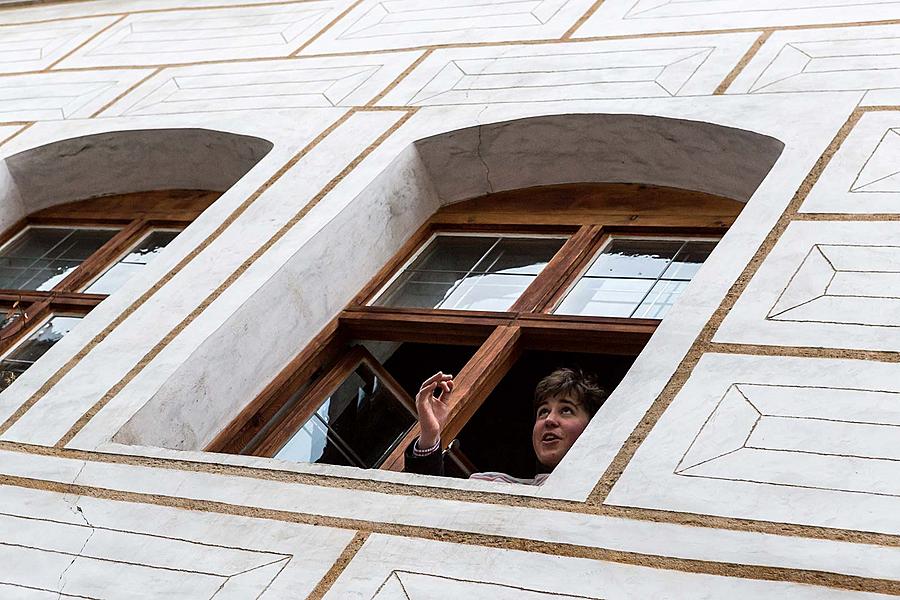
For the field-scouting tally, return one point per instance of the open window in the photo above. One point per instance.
(59, 263)
(500, 291)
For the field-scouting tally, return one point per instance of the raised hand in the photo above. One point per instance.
(433, 410)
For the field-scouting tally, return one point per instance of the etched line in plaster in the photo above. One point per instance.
(13, 6)
(848, 434)
(399, 79)
(703, 341)
(198, 310)
(486, 44)
(327, 27)
(882, 161)
(745, 60)
(422, 586)
(820, 292)
(70, 364)
(613, 73)
(345, 558)
(96, 34)
(582, 20)
(125, 92)
(769, 573)
(15, 134)
(804, 352)
(467, 496)
(716, 8)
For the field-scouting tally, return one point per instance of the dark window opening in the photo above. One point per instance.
(498, 436)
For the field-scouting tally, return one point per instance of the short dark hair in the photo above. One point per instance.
(575, 383)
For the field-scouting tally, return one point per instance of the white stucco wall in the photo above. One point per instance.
(751, 450)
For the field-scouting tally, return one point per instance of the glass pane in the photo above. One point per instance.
(145, 251)
(488, 292)
(452, 253)
(471, 273)
(82, 243)
(366, 416)
(33, 347)
(420, 289)
(634, 258)
(41, 257)
(47, 275)
(660, 299)
(519, 256)
(113, 279)
(689, 260)
(605, 297)
(10, 371)
(313, 444)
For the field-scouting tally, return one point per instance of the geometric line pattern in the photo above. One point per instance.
(74, 558)
(408, 585)
(881, 171)
(294, 83)
(843, 284)
(858, 59)
(56, 96)
(33, 47)
(830, 438)
(189, 36)
(392, 17)
(383, 24)
(580, 71)
(660, 9)
(615, 75)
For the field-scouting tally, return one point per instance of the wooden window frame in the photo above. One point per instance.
(590, 215)
(135, 216)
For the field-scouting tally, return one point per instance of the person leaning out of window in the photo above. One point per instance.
(564, 402)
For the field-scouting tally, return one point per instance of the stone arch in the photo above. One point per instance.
(119, 162)
(299, 296)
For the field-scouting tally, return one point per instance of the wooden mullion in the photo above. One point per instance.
(480, 376)
(309, 404)
(322, 351)
(503, 228)
(70, 298)
(104, 257)
(15, 331)
(557, 273)
(596, 335)
(421, 325)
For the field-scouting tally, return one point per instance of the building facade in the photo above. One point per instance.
(214, 215)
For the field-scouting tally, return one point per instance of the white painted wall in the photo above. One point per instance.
(335, 129)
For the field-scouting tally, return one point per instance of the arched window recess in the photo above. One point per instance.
(498, 290)
(58, 263)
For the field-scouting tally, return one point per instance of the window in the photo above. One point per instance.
(636, 277)
(498, 290)
(59, 263)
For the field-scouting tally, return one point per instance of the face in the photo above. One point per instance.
(558, 423)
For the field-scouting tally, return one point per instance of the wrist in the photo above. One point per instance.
(428, 439)
(421, 449)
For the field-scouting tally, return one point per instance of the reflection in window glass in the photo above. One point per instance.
(33, 347)
(145, 251)
(358, 425)
(470, 272)
(636, 278)
(41, 257)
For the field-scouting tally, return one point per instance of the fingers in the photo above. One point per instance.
(434, 380)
